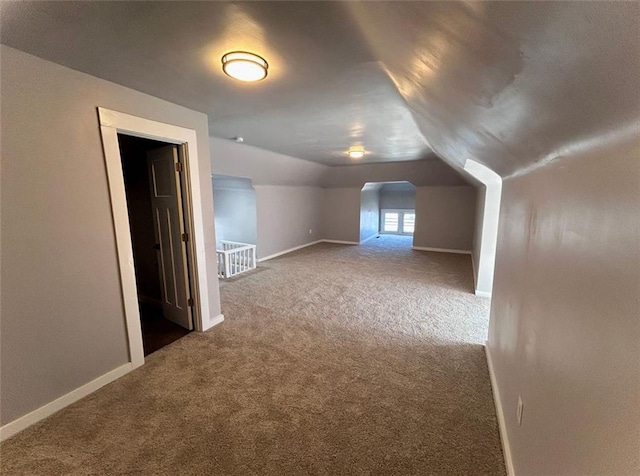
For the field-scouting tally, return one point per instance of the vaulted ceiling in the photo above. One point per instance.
(510, 85)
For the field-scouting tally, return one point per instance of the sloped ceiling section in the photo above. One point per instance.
(512, 85)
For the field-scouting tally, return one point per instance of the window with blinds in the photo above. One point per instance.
(408, 222)
(391, 221)
(401, 222)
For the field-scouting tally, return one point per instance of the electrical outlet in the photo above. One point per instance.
(519, 410)
(310, 231)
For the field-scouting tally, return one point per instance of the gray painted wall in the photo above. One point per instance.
(288, 196)
(341, 214)
(445, 217)
(63, 322)
(369, 212)
(401, 196)
(236, 214)
(262, 166)
(565, 326)
(339, 201)
(421, 172)
(285, 216)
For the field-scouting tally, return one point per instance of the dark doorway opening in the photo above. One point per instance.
(157, 330)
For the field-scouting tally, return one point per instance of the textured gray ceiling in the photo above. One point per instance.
(511, 85)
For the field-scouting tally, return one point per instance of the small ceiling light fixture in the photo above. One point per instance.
(356, 152)
(244, 66)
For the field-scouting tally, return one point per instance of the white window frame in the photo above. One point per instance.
(401, 212)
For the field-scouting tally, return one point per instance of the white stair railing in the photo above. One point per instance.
(235, 258)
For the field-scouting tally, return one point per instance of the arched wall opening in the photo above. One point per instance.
(234, 201)
(486, 231)
(387, 208)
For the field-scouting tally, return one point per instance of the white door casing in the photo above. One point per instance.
(169, 229)
(111, 124)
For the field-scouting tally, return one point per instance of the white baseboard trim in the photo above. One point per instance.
(483, 294)
(340, 242)
(442, 250)
(25, 421)
(370, 238)
(506, 450)
(290, 250)
(214, 321)
(296, 248)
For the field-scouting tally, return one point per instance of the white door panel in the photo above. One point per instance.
(166, 200)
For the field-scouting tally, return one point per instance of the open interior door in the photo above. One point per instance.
(169, 228)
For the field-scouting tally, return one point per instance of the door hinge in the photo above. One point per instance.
(185, 237)
(190, 302)
(178, 166)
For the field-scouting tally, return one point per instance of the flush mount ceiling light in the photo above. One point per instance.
(356, 152)
(244, 66)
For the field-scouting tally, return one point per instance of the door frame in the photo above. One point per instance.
(113, 123)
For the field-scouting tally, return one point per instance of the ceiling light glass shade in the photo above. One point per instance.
(244, 66)
(356, 152)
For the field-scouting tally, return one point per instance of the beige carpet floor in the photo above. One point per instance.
(333, 360)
